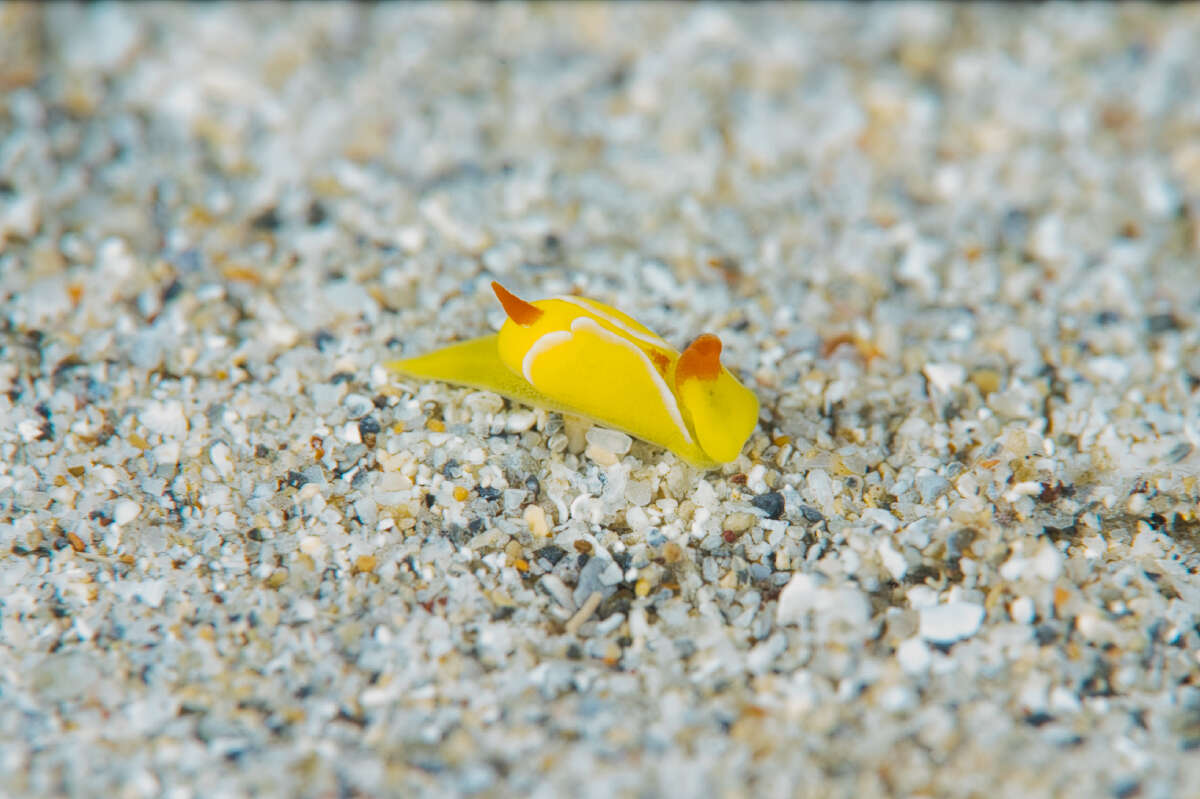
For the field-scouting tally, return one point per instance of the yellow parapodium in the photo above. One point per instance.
(579, 356)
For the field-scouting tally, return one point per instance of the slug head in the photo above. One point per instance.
(722, 411)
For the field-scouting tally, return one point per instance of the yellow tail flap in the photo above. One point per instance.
(475, 363)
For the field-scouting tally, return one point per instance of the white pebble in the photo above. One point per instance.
(311, 545)
(636, 518)
(1022, 610)
(796, 599)
(1063, 701)
(345, 297)
(913, 656)
(898, 699)
(222, 458)
(820, 487)
(1048, 563)
(555, 587)
(760, 658)
(611, 575)
(411, 238)
(893, 561)
(513, 497)
(639, 493)
(755, 481)
(1029, 488)
(535, 517)
(305, 610)
(931, 485)
(802, 596)
(611, 440)
(602, 456)
(167, 453)
(357, 405)
(367, 511)
(21, 216)
(848, 605)
(945, 624)
(152, 592)
(944, 376)
(916, 268)
(29, 429)
(739, 521)
(1109, 369)
(881, 517)
(113, 258)
(520, 421)
(1048, 240)
(126, 511)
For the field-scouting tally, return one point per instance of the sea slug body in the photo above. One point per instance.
(579, 356)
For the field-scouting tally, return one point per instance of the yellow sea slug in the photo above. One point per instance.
(579, 356)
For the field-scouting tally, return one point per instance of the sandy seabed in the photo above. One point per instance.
(955, 250)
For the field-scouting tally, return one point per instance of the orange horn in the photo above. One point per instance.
(521, 312)
(701, 359)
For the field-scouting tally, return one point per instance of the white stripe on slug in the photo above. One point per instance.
(580, 302)
(544, 343)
